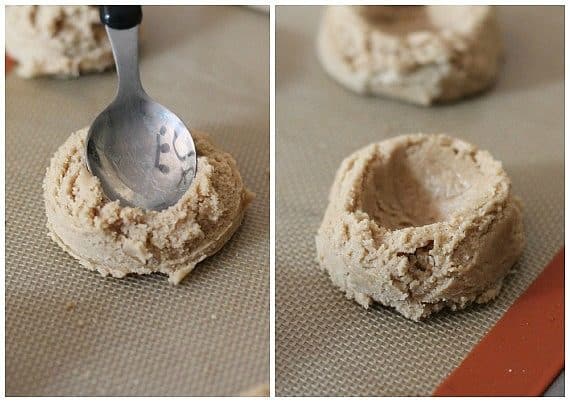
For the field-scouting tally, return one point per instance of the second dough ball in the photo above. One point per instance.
(64, 41)
(420, 54)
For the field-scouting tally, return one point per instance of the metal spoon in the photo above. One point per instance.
(142, 153)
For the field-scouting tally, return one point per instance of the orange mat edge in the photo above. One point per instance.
(9, 64)
(524, 352)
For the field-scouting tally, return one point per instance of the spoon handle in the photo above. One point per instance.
(120, 17)
(122, 28)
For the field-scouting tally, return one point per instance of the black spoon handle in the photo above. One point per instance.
(120, 17)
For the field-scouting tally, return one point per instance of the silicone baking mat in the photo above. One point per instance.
(328, 345)
(72, 332)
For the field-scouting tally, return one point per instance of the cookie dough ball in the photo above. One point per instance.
(420, 54)
(115, 240)
(57, 40)
(419, 223)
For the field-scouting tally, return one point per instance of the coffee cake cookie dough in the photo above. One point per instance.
(418, 223)
(419, 54)
(64, 41)
(115, 240)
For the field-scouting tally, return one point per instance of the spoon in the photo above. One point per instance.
(142, 153)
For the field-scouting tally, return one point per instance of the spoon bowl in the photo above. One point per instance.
(142, 153)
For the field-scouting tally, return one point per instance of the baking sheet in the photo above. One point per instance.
(70, 331)
(327, 345)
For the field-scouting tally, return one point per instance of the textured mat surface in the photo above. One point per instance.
(327, 345)
(70, 331)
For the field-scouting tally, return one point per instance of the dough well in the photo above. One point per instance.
(114, 240)
(419, 223)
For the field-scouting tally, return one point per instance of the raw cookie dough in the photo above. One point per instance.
(259, 390)
(57, 40)
(116, 240)
(420, 54)
(420, 222)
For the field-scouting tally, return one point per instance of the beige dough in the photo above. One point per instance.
(57, 40)
(259, 390)
(117, 240)
(419, 223)
(420, 54)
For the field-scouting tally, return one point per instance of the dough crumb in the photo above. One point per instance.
(259, 390)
